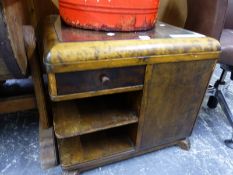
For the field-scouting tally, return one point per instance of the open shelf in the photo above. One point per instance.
(79, 117)
(76, 151)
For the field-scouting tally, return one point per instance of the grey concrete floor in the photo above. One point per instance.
(19, 149)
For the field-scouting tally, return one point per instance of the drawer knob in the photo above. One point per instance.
(105, 79)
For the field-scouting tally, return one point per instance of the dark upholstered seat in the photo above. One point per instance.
(227, 47)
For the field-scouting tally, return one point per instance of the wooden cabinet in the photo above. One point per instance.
(174, 95)
(119, 95)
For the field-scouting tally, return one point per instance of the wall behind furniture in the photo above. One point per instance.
(173, 12)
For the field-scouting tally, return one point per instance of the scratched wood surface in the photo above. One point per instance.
(48, 152)
(72, 118)
(176, 91)
(62, 56)
(74, 152)
(179, 65)
(9, 49)
(84, 81)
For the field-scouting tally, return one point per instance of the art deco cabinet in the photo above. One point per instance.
(119, 95)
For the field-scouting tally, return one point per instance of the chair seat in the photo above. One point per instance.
(227, 47)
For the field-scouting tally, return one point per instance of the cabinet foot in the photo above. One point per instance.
(48, 153)
(184, 144)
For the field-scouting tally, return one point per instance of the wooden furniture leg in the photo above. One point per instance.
(48, 152)
(184, 144)
(29, 39)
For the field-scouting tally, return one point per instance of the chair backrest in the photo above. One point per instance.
(229, 15)
(206, 16)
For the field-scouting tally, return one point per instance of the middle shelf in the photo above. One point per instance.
(83, 116)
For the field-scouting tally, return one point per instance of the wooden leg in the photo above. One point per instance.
(29, 39)
(184, 144)
(39, 92)
(48, 152)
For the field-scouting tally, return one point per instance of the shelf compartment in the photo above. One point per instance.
(76, 151)
(73, 118)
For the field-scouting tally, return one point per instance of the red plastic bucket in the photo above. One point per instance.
(110, 15)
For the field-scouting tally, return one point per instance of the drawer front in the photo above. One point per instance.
(96, 80)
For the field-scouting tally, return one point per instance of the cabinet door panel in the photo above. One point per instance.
(174, 96)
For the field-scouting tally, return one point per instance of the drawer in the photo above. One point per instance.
(97, 80)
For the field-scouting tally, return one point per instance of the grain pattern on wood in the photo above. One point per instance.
(84, 116)
(143, 105)
(6, 51)
(73, 56)
(29, 39)
(16, 104)
(117, 157)
(84, 81)
(176, 93)
(48, 152)
(79, 150)
(95, 93)
(15, 16)
(52, 84)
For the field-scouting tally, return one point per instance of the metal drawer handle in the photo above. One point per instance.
(104, 79)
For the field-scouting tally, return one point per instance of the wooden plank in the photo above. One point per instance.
(48, 152)
(112, 63)
(52, 84)
(76, 56)
(176, 92)
(143, 104)
(79, 150)
(15, 14)
(80, 117)
(95, 80)
(95, 93)
(6, 50)
(16, 104)
(29, 39)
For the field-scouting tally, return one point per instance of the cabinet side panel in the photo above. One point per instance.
(175, 94)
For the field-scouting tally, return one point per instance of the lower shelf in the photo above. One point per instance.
(79, 117)
(82, 149)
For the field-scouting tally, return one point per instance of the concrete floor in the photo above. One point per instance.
(19, 151)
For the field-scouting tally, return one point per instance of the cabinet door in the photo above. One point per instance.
(173, 97)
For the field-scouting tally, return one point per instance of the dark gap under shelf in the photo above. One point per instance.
(79, 117)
